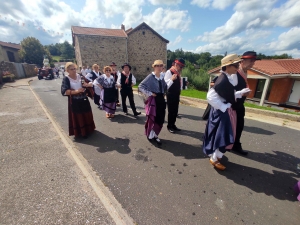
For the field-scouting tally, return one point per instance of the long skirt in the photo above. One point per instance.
(155, 112)
(220, 131)
(108, 100)
(81, 121)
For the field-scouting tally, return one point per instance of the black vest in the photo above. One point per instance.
(123, 79)
(94, 77)
(241, 85)
(175, 87)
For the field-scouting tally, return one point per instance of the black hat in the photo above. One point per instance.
(126, 64)
(249, 55)
(180, 61)
(113, 64)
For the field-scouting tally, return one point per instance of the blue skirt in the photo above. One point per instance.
(218, 133)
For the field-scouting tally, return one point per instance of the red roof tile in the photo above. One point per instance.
(10, 45)
(292, 65)
(273, 67)
(270, 67)
(98, 31)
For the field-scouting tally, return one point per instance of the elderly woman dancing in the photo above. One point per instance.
(153, 89)
(81, 121)
(107, 84)
(221, 125)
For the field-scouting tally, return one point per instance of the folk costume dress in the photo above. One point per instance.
(155, 107)
(80, 115)
(221, 125)
(108, 93)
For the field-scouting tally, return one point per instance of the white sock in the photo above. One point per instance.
(219, 154)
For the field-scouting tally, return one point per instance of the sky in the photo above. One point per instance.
(216, 26)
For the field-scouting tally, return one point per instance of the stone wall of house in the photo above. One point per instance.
(4, 51)
(29, 69)
(101, 50)
(77, 52)
(144, 47)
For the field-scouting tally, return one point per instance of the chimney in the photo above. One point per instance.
(123, 27)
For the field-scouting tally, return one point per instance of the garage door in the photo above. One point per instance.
(295, 95)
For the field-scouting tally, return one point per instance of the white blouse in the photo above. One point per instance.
(75, 84)
(216, 100)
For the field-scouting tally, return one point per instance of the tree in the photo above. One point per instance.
(32, 51)
(67, 51)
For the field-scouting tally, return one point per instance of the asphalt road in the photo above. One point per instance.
(176, 184)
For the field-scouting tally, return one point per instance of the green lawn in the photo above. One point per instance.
(194, 93)
(56, 58)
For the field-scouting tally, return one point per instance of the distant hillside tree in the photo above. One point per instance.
(67, 51)
(32, 51)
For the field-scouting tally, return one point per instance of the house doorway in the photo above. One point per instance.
(295, 95)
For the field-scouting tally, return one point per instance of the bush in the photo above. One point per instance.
(198, 78)
(8, 78)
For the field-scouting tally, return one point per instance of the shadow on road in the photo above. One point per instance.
(191, 117)
(104, 143)
(183, 150)
(279, 184)
(120, 118)
(257, 130)
(280, 160)
(194, 134)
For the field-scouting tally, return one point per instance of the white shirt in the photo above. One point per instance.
(75, 84)
(216, 100)
(168, 75)
(83, 72)
(119, 79)
(96, 87)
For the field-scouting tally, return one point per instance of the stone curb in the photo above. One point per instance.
(248, 109)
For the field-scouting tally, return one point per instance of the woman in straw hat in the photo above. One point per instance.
(108, 92)
(221, 126)
(153, 89)
(81, 121)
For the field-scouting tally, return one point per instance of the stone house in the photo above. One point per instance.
(9, 52)
(139, 47)
(273, 82)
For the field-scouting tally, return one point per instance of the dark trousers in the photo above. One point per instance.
(96, 99)
(240, 114)
(173, 104)
(124, 95)
(117, 95)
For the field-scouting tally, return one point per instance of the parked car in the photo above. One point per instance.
(47, 74)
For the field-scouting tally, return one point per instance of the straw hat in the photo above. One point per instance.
(69, 64)
(157, 62)
(230, 59)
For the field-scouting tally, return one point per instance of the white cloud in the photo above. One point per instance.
(216, 4)
(165, 2)
(286, 16)
(166, 19)
(287, 40)
(177, 40)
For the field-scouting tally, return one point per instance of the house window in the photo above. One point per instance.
(143, 32)
(11, 56)
(148, 68)
(260, 88)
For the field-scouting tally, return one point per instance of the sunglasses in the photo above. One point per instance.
(107, 70)
(73, 69)
(159, 65)
(236, 65)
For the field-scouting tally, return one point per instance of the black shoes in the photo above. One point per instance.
(239, 149)
(156, 140)
(173, 129)
(137, 113)
(176, 128)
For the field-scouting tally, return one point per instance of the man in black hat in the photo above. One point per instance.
(173, 80)
(248, 60)
(125, 81)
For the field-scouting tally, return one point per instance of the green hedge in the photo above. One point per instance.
(8, 78)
